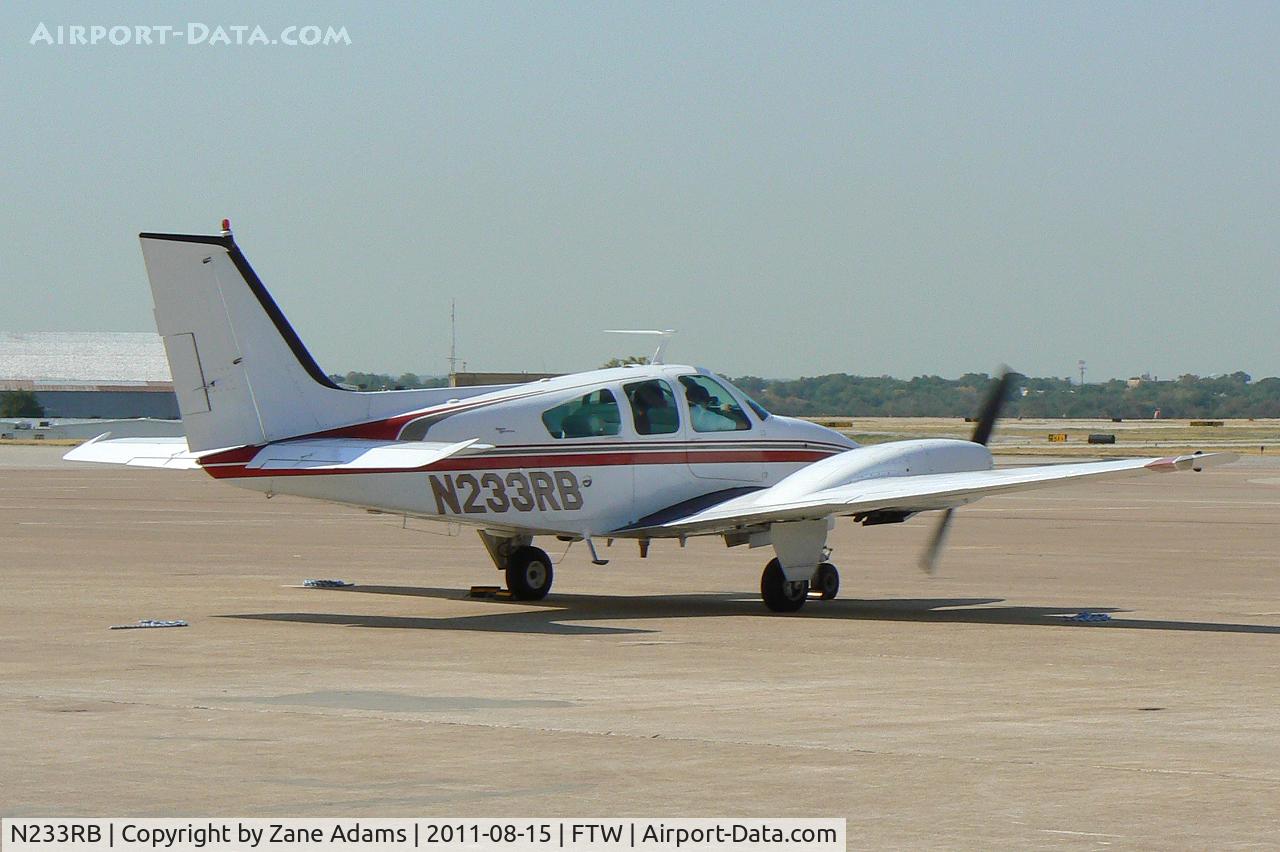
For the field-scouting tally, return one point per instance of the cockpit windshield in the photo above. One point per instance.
(759, 409)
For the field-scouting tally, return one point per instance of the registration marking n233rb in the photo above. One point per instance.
(475, 494)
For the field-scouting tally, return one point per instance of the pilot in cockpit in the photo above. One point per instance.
(703, 414)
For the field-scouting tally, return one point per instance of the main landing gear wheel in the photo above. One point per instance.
(529, 573)
(826, 581)
(779, 594)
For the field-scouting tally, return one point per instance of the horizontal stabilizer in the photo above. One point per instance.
(337, 454)
(354, 454)
(138, 452)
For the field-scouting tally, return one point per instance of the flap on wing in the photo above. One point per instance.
(138, 452)
(918, 493)
(350, 454)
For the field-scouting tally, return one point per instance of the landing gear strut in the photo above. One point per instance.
(529, 573)
(778, 593)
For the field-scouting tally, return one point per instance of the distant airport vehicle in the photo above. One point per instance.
(643, 452)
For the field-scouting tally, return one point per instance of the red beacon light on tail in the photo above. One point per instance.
(226, 227)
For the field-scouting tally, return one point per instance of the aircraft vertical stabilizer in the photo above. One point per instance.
(240, 372)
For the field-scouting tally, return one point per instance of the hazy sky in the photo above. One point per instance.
(798, 188)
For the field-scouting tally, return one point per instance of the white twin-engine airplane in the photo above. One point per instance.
(655, 451)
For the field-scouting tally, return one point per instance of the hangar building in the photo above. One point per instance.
(106, 375)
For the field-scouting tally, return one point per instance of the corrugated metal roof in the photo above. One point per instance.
(82, 357)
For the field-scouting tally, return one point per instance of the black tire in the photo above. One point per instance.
(778, 594)
(826, 581)
(529, 573)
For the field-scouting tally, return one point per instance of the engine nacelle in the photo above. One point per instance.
(898, 458)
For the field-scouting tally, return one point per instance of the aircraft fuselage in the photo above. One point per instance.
(544, 470)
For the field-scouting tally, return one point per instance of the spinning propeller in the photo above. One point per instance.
(981, 434)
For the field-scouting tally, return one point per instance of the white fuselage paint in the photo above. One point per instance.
(530, 481)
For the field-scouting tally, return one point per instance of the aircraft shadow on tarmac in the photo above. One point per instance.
(558, 614)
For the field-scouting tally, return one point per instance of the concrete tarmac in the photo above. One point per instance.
(959, 711)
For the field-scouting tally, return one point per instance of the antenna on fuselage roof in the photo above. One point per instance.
(665, 336)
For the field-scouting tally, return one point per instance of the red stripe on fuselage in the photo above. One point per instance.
(224, 466)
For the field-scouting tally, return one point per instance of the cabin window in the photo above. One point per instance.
(711, 407)
(590, 416)
(653, 407)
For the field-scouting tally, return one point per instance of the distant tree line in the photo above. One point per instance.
(1189, 396)
(384, 381)
(624, 361)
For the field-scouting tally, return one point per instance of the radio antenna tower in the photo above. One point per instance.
(453, 336)
(1080, 364)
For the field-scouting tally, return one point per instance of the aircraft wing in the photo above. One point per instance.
(913, 493)
(338, 454)
(138, 452)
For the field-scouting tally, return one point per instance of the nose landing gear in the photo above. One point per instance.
(826, 582)
(782, 595)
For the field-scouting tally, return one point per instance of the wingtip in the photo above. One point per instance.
(1196, 462)
(73, 453)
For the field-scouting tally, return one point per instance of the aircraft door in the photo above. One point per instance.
(661, 471)
(594, 485)
(723, 441)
